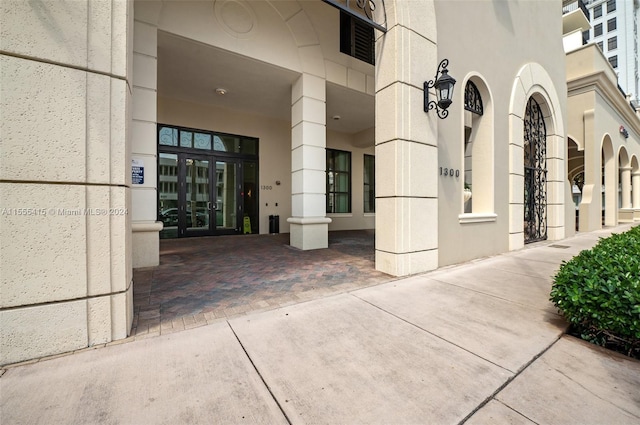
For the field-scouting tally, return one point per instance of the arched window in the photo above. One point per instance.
(472, 99)
(478, 149)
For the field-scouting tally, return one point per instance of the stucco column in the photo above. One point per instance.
(635, 183)
(309, 226)
(591, 204)
(406, 146)
(144, 146)
(625, 181)
(65, 255)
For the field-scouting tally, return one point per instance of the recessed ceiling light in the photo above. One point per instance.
(221, 91)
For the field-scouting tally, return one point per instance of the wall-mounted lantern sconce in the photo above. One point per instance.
(624, 132)
(444, 90)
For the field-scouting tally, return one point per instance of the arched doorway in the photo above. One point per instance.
(535, 173)
(576, 175)
(609, 184)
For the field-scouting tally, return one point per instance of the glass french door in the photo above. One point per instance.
(228, 209)
(199, 195)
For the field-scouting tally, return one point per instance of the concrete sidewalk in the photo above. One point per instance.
(479, 342)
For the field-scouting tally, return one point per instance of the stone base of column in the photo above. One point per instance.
(405, 264)
(309, 233)
(590, 209)
(146, 243)
(626, 215)
(636, 214)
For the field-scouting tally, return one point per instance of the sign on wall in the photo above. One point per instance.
(137, 171)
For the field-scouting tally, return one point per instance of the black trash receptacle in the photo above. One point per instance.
(274, 224)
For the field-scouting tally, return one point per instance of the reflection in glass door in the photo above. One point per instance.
(168, 194)
(207, 182)
(201, 195)
(227, 208)
(197, 211)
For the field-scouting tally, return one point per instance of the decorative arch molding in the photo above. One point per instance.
(635, 187)
(611, 180)
(532, 80)
(623, 156)
(579, 143)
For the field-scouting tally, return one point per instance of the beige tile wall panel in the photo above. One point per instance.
(406, 264)
(99, 129)
(309, 133)
(336, 73)
(57, 30)
(147, 11)
(121, 314)
(412, 164)
(143, 204)
(413, 214)
(145, 40)
(407, 120)
(99, 320)
(308, 205)
(145, 71)
(144, 104)
(60, 114)
(49, 264)
(144, 138)
(99, 35)
(120, 239)
(98, 244)
(44, 121)
(38, 331)
(84, 34)
(147, 254)
(120, 134)
(309, 181)
(309, 236)
(356, 80)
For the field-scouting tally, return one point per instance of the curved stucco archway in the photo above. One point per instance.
(575, 174)
(609, 182)
(635, 186)
(624, 174)
(533, 81)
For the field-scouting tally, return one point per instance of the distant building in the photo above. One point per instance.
(614, 29)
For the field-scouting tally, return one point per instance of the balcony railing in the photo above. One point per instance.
(575, 5)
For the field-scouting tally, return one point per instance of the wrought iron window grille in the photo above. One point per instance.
(472, 99)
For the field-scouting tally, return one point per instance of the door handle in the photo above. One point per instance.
(209, 206)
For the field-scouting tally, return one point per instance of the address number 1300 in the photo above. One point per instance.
(449, 172)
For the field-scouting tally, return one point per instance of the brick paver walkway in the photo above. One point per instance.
(203, 280)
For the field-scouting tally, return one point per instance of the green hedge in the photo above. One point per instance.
(598, 292)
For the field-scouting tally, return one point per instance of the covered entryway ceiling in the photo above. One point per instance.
(191, 71)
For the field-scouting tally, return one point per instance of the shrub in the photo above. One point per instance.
(598, 292)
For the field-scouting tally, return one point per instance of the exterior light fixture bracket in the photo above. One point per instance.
(443, 83)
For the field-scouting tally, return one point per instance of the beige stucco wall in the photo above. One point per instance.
(597, 109)
(497, 56)
(65, 231)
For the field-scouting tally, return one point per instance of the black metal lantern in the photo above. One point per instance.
(444, 90)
